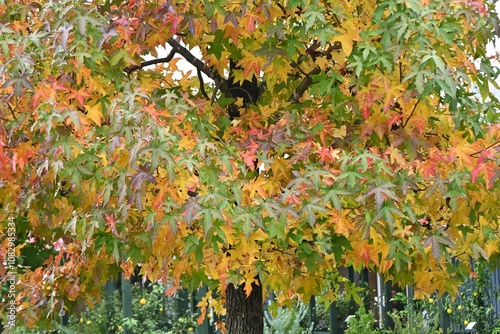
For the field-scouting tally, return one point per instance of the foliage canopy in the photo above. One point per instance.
(375, 143)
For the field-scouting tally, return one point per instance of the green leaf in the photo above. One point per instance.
(332, 196)
(217, 46)
(313, 16)
(117, 56)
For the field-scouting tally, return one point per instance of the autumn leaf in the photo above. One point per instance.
(326, 154)
(22, 156)
(191, 209)
(380, 193)
(111, 223)
(486, 168)
(365, 143)
(79, 95)
(251, 67)
(435, 242)
(350, 35)
(362, 254)
(94, 113)
(341, 223)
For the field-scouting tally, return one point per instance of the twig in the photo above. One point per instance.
(129, 70)
(486, 148)
(294, 64)
(414, 108)
(12, 110)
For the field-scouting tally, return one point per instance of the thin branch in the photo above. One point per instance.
(401, 67)
(166, 82)
(486, 148)
(129, 70)
(12, 110)
(413, 111)
(220, 82)
(294, 64)
(214, 94)
(202, 84)
(337, 47)
(67, 126)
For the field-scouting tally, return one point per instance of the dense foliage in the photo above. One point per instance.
(372, 141)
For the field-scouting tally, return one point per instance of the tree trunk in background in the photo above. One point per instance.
(110, 291)
(244, 315)
(127, 302)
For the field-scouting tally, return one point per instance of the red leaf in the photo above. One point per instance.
(110, 221)
(487, 169)
(325, 154)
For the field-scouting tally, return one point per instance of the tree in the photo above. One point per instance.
(309, 135)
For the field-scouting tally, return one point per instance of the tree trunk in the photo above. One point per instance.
(244, 315)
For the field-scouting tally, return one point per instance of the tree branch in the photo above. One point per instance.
(313, 53)
(486, 148)
(220, 82)
(301, 89)
(412, 112)
(200, 66)
(202, 84)
(129, 70)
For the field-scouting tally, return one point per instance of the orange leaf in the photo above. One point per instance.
(256, 186)
(362, 253)
(22, 155)
(251, 66)
(79, 95)
(341, 224)
(487, 169)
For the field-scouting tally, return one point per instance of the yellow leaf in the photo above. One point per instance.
(424, 281)
(341, 223)
(104, 159)
(340, 132)
(322, 62)
(279, 168)
(351, 35)
(94, 113)
(396, 156)
(258, 235)
(203, 305)
(256, 187)
(249, 281)
(309, 287)
(491, 248)
(123, 159)
(187, 143)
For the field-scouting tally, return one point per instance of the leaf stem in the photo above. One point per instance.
(412, 112)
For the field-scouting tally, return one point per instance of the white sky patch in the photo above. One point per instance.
(183, 65)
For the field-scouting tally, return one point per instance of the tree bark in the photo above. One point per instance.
(244, 315)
